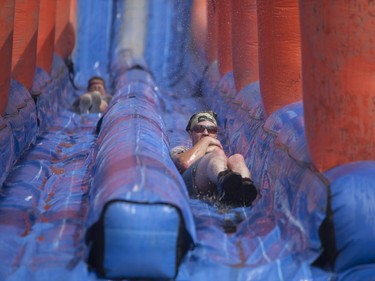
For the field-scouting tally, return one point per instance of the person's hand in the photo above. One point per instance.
(212, 148)
(211, 144)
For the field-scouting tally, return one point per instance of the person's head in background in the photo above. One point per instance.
(96, 83)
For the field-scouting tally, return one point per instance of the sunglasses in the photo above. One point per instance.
(201, 128)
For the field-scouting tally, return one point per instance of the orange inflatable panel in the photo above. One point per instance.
(6, 44)
(65, 33)
(244, 42)
(211, 46)
(25, 41)
(199, 27)
(46, 34)
(338, 81)
(279, 53)
(224, 38)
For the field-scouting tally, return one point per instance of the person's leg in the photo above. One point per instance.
(209, 167)
(96, 101)
(103, 105)
(214, 176)
(247, 192)
(236, 163)
(85, 103)
(188, 177)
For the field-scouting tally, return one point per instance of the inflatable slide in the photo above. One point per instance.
(96, 196)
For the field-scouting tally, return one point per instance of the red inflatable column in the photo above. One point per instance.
(199, 27)
(65, 33)
(72, 26)
(224, 36)
(46, 34)
(338, 80)
(25, 41)
(6, 45)
(244, 42)
(212, 18)
(279, 53)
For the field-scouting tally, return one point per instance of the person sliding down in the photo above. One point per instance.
(206, 169)
(95, 100)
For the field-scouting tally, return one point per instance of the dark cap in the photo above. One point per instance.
(200, 117)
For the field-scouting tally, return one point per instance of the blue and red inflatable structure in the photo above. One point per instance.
(97, 196)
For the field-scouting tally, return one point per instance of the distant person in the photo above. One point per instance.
(95, 100)
(206, 169)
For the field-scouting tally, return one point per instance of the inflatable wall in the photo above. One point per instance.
(96, 196)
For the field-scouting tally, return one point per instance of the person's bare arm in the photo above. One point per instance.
(205, 145)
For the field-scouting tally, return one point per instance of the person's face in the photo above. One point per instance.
(97, 85)
(201, 130)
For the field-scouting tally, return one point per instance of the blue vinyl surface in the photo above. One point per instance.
(60, 178)
(127, 240)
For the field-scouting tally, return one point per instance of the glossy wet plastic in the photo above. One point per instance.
(68, 180)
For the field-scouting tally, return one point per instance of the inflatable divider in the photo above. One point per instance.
(17, 106)
(352, 188)
(139, 212)
(21, 116)
(52, 92)
(7, 147)
(29, 114)
(43, 202)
